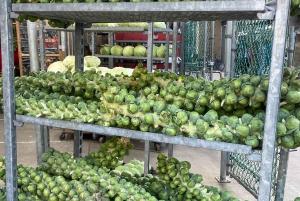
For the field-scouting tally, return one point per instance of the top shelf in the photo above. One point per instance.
(111, 29)
(145, 11)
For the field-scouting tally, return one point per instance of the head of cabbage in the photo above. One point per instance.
(154, 51)
(92, 61)
(105, 50)
(116, 50)
(128, 51)
(57, 66)
(140, 51)
(161, 51)
(69, 62)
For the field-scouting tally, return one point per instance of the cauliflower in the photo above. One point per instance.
(57, 66)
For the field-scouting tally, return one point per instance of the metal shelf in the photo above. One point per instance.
(128, 57)
(140, 41)
(145, 11)
(221, 146)
(110, 29)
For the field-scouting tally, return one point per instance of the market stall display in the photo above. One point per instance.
(179, 10)
(61, 178)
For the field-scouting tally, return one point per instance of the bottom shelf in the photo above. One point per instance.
(154, 137)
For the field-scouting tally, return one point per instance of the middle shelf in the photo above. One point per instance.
(155, 137)
(129, 57)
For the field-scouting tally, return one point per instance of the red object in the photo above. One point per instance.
(143, 37)
(16, 58)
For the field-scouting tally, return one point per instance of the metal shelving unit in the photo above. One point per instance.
(129, 57)
(84, 13)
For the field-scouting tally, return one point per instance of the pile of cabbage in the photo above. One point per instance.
(68, 64)
(137, 51)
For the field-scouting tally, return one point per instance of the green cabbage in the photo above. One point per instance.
(140, 51)
(161, 51)
(139, 24)
(154, 51)
(69, 62)
(161, 25)
(105, 50)
(92, 61)
(128, 51)
(57, 66)
(116, 50)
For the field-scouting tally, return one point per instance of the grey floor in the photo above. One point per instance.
(205, 162)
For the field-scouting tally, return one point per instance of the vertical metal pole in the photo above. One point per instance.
(42, 45)
(147, 157)
(34, 66)
(233, 49)
(9, 101)
(150, 47)
(204, 50)
(167, 48)
(174, 47)
(182, 29)
(111, 43)
(223, 167)
(63, 41)
(79, 55)
(40, 142)
(223, 33)
(278, 49)
(46, 138)
(291, 48)
(33, 47)
(228, 37)
(212, 43)
(94, 43)
(282, 171)
(170, 150)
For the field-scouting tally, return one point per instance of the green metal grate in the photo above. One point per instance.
(253, 47)
(246, 172)
(196, 35)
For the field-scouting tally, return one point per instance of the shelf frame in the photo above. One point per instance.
(145, 11)
(128, 57)
(186, 141)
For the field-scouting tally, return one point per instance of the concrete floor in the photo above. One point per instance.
(205, 162)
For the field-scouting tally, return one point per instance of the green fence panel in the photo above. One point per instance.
(253, 47)
(195, 37)
(253, 56)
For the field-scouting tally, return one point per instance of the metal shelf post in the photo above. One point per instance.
(228, 38)
(223, 168)
(110, 43)
(150, 47)
(291, 47)
(233, 49)
(212, 43)
(42, 45)
(204, 51)
(282, 171)
(167, 48)
(9, 101)
(276, 70)
(79, 56)
(174, 47)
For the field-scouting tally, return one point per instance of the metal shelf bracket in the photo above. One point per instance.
(18, 123)
(269, 15)
(13, 15)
